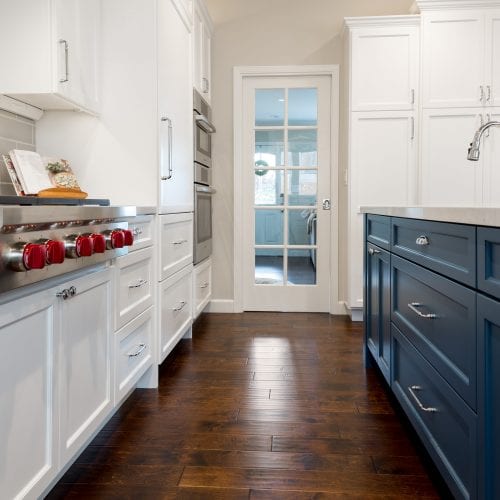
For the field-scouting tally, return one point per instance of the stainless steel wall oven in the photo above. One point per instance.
(203, 192)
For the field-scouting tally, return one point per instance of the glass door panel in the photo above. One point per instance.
(286, 136)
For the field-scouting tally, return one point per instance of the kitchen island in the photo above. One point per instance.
(432, 326)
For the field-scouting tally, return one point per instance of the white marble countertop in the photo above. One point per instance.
(489, 216)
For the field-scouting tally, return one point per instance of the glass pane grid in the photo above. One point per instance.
(286, 160)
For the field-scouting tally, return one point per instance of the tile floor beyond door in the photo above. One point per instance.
(261, 406)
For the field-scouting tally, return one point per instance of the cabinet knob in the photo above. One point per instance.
(372, 251)
(422, 240)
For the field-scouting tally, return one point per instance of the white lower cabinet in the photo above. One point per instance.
(56, 366)
(202, 286)
(28, 404)
(85, 361)
(134, 285)
(176, 309)
(134, 353)
(176, 243)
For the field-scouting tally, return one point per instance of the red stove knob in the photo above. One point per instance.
(34, 256)
(117, 238)
(84, 246)
(129, 237)
(99, 243)
(55, 251)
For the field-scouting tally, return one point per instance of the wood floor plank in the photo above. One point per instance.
(263, 406)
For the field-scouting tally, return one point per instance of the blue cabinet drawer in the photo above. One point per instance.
(449, 249)
(446, 425)
(378, 230)
(488, 260)
(438, 316)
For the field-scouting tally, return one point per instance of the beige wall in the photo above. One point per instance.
(267, 32)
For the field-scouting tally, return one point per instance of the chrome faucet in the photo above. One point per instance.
(475, 145)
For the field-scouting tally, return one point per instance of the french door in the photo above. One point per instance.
(286, 195)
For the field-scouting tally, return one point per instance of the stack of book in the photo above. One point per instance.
(33, 175)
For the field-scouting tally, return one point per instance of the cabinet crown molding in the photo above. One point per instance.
(425, 5)
(381, 21)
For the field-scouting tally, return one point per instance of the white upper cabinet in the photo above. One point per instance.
(175, 109)
(384, 67)
(493, 57)
(49, 53)
(202, 46)
(461, 58)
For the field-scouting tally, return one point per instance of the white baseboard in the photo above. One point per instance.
(339, 309)
(355, 313)
(220, 306)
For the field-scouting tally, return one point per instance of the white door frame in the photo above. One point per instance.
(239, 74)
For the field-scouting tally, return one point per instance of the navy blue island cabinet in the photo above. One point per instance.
(432, 326)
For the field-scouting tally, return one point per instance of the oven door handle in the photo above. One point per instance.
(205, 189)
(203, 122)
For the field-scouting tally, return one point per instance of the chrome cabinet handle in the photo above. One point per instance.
(422, 240)
(66, 61)
(327, 204)
(179, 242)
(372, 251)
(137, 231)
(180, 306)
(72, 291)
(488, 93)
(412, 99)
(64, 294)
(413, 306)
(140, 283)
(138, 352)
(204, 285)
(170, 145)
(481, 94)
(412, 128)
(427, 409)
(488, 118)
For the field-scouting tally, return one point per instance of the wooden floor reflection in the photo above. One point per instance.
(261, 406)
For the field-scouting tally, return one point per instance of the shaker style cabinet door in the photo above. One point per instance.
(453, 61)
(28, 405)
(492, 79)
(391, 53)
(85, 360)
(447, 177)
(175, 108)
(58, 44)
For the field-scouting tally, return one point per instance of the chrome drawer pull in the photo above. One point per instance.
(413, 306)
(180, 306)
(427, 409)
(136, 353)
(138, 284)
(179, 242)
(137, 231)
(204, 285)
(422, 240)
(372, 251)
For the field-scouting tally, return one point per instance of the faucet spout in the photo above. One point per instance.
(475, 146)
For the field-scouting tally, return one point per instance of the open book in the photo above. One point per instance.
(32, 174)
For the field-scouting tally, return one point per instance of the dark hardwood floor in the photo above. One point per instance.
(261, 406)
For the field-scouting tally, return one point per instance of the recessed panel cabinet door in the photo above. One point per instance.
(392, 55)
(447, 177)
(28, 403)
(85, 354)
(453, 59)
(175, 108)
(493, 58)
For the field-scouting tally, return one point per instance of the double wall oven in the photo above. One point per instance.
(203, 191)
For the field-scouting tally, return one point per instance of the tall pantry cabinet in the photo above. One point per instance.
(380, 125)
(460, 91)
